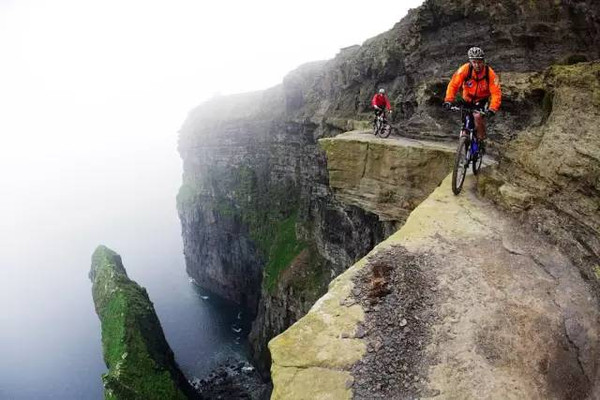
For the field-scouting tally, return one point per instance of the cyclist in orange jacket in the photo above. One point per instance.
(480, 88)
(380, 103)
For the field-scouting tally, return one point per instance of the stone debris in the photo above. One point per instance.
(395, 289)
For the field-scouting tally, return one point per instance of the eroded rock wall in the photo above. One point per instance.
(550, 174)
(260, 223)
(415, 59)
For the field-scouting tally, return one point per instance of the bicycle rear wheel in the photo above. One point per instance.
(478, 158)
(461, 163)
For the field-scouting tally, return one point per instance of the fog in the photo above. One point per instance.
(92, 95)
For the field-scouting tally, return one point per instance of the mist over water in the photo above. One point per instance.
(62, 199)
(92, 96)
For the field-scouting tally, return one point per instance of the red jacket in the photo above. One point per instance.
(381, 100)
(476, 88)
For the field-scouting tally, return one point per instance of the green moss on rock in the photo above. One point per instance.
(284, 248)
(270, 214)
(267, 210)
(596, 270)
(186, 196)
(140, 363)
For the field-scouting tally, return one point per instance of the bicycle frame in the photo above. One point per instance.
(468, 149)
(469, 126)
(381, 126)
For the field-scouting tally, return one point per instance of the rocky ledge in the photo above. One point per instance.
(386, 177)
(140, 362)
(462, 302)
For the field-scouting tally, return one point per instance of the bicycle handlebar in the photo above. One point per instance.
(465, 108)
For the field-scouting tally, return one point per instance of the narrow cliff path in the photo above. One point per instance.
(475, 307)
(516, 319)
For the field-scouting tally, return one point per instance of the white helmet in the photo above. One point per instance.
(382, 91)
(475, 53)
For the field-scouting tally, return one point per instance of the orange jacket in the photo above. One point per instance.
(476, 88)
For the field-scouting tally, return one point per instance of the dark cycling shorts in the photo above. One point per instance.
(467, 116)
(379, 111)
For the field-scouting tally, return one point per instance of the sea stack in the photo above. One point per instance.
(141, 365)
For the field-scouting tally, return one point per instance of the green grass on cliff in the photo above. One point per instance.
(127, 355)
(263, 209)
(133, 343)
(268, 210)
(187, 195)
(285, 247)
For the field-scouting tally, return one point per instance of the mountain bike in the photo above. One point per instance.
(469, 152)
(381, 127)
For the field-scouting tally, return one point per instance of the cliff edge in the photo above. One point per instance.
(461, 303)
(141, 365)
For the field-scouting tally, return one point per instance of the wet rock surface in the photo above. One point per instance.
(396, 291)
(234, 380)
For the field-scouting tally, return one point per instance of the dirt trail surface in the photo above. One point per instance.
(515, 318)
(461, 303)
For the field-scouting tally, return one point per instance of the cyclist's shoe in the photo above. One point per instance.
(446, 105)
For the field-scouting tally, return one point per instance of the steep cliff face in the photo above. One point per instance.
(141, 365)
(256, 204)
(537, 335)
(255, 201)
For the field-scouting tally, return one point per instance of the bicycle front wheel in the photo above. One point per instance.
(376, 126)
(477, 161)
(385, 130)
(461, 163)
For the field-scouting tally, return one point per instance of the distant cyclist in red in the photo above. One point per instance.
(381, 102)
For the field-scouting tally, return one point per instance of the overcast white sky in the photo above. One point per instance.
(92, 94)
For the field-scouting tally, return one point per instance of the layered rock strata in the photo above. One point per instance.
(255, 207)
(549, 176)
(141, 365)
(387, 177)
(415, 59)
